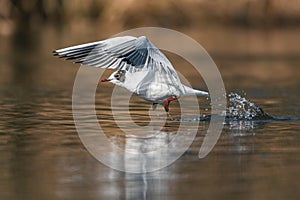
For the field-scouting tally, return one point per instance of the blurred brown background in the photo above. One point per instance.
(123, 14)
(255, 44)
(244, 33)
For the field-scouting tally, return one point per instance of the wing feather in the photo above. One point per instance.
(130, 53)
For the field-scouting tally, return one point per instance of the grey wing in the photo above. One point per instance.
(129, 53)
(95, 54)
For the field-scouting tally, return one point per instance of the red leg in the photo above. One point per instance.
(167, 102)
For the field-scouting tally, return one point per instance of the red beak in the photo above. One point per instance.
(106, 80)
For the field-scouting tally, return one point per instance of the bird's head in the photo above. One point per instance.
(117, 77)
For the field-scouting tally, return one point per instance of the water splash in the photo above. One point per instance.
(239, 108)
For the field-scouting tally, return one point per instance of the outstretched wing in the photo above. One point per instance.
(128, 53)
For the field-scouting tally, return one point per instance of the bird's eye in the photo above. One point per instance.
(117, 75)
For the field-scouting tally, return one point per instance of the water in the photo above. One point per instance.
(42, 156)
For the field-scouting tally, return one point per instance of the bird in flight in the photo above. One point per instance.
(140, 67)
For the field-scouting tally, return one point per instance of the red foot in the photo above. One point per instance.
(167, 102)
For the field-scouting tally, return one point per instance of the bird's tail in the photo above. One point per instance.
(190, 91)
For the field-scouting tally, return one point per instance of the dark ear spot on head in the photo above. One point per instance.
(120, 75)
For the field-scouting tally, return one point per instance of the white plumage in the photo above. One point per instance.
(141, 67)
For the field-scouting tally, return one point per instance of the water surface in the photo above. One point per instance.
(42, 156)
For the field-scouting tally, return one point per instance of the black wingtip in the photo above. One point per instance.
(78, 61)
(66, 56)
(69, 58)
(55, 53)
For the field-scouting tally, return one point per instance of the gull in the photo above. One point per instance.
(140, 67)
